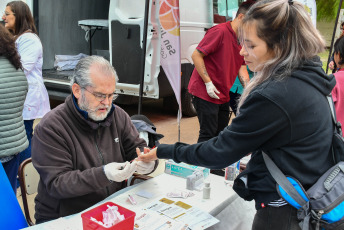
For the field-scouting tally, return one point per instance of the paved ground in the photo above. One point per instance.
(166, 124)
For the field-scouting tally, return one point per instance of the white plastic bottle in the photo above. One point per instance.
(206, 190)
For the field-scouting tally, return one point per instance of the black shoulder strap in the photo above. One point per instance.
(338, 141)
(337, 125)
(282, 180)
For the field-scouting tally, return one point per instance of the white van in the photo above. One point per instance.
(119, 37)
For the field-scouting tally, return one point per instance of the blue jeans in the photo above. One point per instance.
(11, 169)
(29, 132)
(26, 153)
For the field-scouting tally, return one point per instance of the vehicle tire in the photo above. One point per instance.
(187, 107)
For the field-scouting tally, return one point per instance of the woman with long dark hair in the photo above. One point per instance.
(19, 21)
(13, 89)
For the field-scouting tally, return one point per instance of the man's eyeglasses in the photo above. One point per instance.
(101, 97)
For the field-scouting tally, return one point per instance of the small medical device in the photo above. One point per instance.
(195, 181)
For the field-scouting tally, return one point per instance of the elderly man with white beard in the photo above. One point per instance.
(82, 149)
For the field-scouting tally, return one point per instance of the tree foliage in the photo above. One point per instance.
(327, 9)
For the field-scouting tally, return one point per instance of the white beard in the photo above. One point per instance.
(92, 113)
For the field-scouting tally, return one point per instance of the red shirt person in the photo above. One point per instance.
(222, 60)
(217, 63)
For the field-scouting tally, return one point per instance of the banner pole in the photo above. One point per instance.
(179, 125)
(144, 44)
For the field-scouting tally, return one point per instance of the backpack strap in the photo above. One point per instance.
(282, 180)
(337, 125)
(337, 131)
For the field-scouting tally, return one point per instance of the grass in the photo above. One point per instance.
(326, 29)
(324, 56)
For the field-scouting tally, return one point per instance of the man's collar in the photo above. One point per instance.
(84, 113)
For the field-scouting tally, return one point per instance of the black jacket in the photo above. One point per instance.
(289, 119)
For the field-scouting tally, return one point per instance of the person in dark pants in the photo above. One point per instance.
(217, 63)
(219, 114)
(283, 111)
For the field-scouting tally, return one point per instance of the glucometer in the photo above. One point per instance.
(195, 181)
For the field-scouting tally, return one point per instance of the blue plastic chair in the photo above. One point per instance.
(11, 215)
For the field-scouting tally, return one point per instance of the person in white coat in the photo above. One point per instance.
(19, 21)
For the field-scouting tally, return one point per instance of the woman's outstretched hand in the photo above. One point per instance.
(147, 156)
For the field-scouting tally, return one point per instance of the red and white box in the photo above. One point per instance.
(97, 213)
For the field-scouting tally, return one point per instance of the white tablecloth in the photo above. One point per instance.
(224, 204)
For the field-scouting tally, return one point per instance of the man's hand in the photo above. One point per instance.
(119, 171)
(144, 167)
(147, 157)
(211, 90)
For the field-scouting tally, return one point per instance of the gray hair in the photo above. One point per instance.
(81, 75)
(288, 32)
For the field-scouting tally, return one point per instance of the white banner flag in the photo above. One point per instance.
(170, 45)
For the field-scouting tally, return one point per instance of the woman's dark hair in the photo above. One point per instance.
(244, 7)
(339, 49)
(8, 47)
(24, 20)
